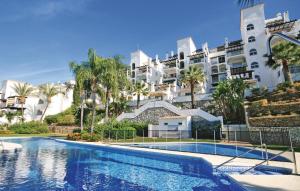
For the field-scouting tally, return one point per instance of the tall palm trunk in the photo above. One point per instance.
(106, 103)
(138, 101)
(94, 112)
(192, 95)
(22, 110)
(81, 117)
(286, 72)
(42, 117)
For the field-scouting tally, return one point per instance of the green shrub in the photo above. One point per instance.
(51, 119)
(92, 138)
(283, 86)
(32, 127)
(77, 130)
(66, 120)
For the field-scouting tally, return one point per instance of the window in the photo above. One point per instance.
(133, 75)
(251, 39)
(214, 69)
(254, 65)
(257, 77)
(181, 56)
(39, 112)
(180, 123)
(253, 52)
(278, 74)
(221, 59)
(133, 66)
(41, 101)
(250, 27)
(181, 65)
(165, 123)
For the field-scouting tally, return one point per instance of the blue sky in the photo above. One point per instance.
(38, 38)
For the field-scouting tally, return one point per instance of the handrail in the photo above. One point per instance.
(236, 157)
(267, 160)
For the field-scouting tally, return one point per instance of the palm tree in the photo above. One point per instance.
(284, 54)
(140, 89)
(88, 77)
(49, 91)
(194, 75)
(229, 98)
(23, 91)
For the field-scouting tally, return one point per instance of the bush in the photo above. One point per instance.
(66, 120)
(283, 86)
(92, 138)
(77, 130)
(32, 127)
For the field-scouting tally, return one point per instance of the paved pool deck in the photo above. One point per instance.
(250, 182)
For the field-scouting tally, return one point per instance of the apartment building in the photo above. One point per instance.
(244, 58)
(35, 103)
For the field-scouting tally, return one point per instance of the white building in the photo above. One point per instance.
(244, 58)
(35, 103)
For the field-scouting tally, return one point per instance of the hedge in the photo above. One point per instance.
(32, 127)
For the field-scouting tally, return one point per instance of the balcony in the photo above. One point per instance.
(235, 53)
(238, 70)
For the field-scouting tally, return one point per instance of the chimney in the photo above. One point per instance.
(286, 16)
(226, 42)
(156, 57)
(167, 56)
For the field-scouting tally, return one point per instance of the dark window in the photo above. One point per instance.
(181, 65)
(39, 112)
(133, 66)
(133, 74)
(250, 27)
(221, 59)
(253, 52)
(180, 123)
(41, 101)
(257, 77)
(251, 39)
(181, 56)
(254, 65)
(278, 73)
(165, 123)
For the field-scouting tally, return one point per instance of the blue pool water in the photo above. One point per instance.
(208, 148)
(45, 164)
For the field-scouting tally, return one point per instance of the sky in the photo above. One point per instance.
(38, 38)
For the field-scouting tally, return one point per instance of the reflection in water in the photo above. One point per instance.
(44, 164)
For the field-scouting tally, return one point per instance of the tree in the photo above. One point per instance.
(10, 116)
(23, 91)
(194, 75)
(140, 89)
(284, 54)
(119, 106)
(229, 98)
(88, 78)
(49, 91)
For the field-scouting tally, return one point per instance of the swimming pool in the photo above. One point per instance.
(209, 148)
(45, 164)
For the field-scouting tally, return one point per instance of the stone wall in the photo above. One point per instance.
(275, 121)
(62, 129)
(153, 114)
(256, 110)
(205, 105)
(275, 135)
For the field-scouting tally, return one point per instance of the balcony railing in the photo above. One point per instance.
(238, 70)
(235, 53)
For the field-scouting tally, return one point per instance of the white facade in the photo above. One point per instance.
(35, 103)
(243, 58)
